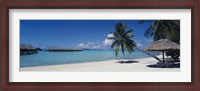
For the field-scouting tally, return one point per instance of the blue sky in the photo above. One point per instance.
(76, 33)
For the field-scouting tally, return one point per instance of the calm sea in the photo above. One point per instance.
(52, 58)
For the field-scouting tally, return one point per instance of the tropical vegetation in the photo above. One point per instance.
(164, 29)
(122, 39)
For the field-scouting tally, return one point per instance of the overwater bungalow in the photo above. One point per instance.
(63, 49)
(26, 49)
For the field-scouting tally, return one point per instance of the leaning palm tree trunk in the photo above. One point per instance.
(150, 54)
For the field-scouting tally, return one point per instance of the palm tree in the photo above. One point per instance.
(159, 29)
(122, 39)
(164, 29)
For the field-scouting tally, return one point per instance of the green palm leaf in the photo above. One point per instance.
(160, 29)
(122, 39)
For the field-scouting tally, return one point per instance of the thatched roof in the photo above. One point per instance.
(26, 46)
(163, 44)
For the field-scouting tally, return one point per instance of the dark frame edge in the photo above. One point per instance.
(4, 42)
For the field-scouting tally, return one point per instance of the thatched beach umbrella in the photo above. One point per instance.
(25, 46)
(163, 45)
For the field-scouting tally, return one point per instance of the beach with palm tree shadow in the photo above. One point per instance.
(135, 65)
(121, 50)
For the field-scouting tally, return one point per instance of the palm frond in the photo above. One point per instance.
(144, 21)
(122, 47)
(149, 32)
(129, 47)
(122, 39)
(117, 48)
(128, 34)
(114, 43)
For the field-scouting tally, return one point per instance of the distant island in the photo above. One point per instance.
(63, 49)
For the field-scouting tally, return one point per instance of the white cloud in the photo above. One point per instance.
(139, 44)
(89, 45)
(108, 42)
(83, 45)
(110, 35)
(98, 44)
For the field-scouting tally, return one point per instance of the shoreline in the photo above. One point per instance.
(138, 65)
(88, 62)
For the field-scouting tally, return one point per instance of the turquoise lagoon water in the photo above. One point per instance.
(52, 58)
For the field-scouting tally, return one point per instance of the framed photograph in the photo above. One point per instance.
(100, 45)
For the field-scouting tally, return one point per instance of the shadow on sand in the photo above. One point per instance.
(167, 64)
(128, 61)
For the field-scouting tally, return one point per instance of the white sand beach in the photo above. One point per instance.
(105, 66)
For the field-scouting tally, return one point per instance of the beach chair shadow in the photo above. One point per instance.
(167, 64)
